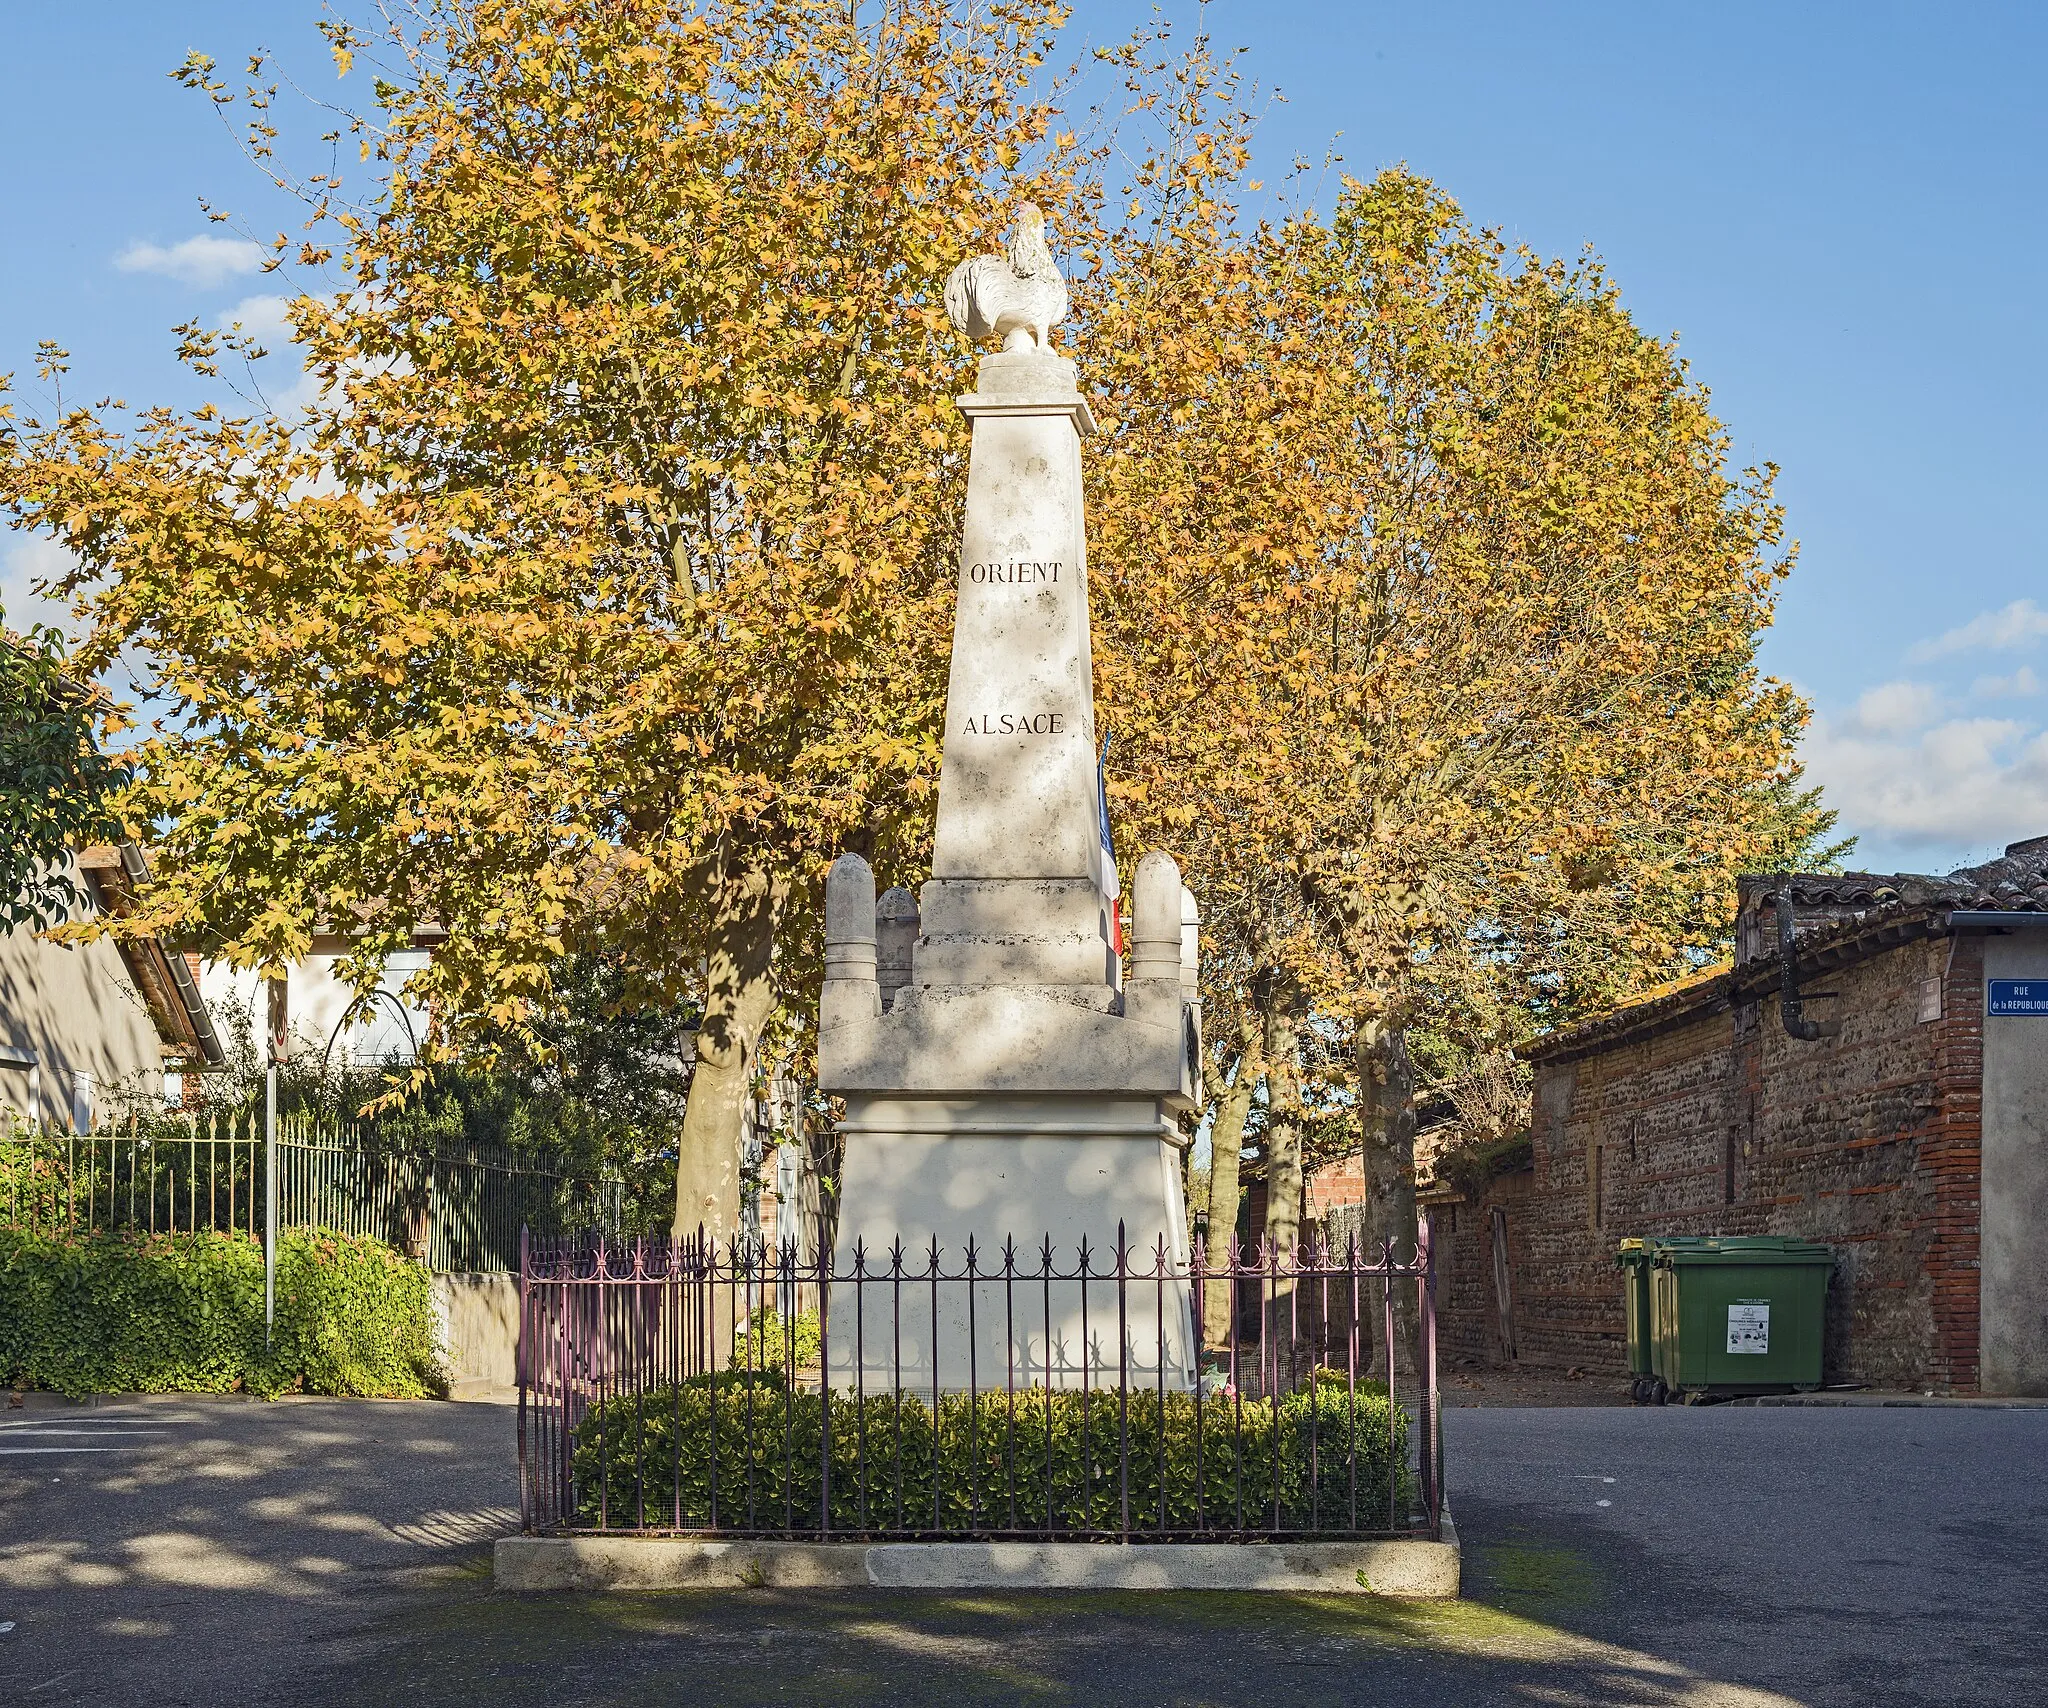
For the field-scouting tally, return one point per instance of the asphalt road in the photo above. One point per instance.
(198, 1551)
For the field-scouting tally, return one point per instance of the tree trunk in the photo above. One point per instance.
(1386, 1104)
(739, 995)
(1283, 1114)
(1279, 1355)
(1226, 1139)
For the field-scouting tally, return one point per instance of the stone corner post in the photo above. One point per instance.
(851, 994)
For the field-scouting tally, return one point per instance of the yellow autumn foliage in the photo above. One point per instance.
(603, 592)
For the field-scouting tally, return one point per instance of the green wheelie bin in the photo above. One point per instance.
(1633, 1259)
(1737, 1315)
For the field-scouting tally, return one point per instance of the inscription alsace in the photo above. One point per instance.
(1016, 723)
(1014, 574)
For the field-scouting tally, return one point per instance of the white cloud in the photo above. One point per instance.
(265, 319)
(1962, 783)
(2019, 624)
(25, 560)
(1893, 708)
(2021, 682)
(204, 261)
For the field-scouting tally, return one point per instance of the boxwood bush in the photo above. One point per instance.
(164, 1313)
(999, 1461)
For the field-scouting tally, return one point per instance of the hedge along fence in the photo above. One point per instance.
(167, 1313)
(743, 1453)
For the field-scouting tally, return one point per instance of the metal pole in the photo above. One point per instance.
(278, 1036)
(1432, 1397)
(269, 1202)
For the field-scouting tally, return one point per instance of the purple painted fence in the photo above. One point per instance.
(674, 1387)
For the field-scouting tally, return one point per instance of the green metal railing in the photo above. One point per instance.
(458, 1206)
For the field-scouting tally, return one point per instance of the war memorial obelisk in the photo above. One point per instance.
(1015, 1082)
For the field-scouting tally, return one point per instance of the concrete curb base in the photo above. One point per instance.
(1409, 1569)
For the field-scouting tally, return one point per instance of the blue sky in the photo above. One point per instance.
(1837, 207)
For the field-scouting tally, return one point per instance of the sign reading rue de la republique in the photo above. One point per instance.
(2018, 996)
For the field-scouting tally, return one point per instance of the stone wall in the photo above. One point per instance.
(1468, 1313)
(1867, 1141)
(478, 1319)
(1467, 1295)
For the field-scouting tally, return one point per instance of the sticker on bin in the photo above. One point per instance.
(1749, 1326)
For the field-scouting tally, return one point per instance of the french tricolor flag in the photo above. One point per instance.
(1105, 877)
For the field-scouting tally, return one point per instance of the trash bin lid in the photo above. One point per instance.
(1744, 1248)
(1645, 1249)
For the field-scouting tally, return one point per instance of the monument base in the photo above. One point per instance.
(1040, 1185)
(1406, 1567)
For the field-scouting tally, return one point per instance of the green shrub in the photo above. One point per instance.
(353, 1317)
(766, 1344)
(738, 1378)
(34, 1184)
(171, 1313)
(648, 1460)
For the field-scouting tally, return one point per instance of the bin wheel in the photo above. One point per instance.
(1659, 1393)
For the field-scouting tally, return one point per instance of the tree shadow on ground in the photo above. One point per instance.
(337, 1553)
(1183, 1649)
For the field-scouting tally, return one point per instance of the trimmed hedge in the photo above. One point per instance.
(172, 1313)
(645, 1461)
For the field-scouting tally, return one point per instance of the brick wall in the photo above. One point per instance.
(1868, 1142)
(1334, 1195)
(1952, 1155)
(1468, 1316)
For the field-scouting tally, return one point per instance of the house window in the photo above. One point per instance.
(30, 1086)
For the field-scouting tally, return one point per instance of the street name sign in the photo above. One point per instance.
(2018, 996)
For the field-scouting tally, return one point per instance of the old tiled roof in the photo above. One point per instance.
(1847, 916)
(2017, 881)
(166, 978)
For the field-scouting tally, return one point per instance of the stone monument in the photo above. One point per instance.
(1005, 1077)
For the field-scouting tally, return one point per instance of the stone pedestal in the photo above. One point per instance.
(1018, 1088)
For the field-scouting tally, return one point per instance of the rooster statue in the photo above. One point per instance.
(1017, 296)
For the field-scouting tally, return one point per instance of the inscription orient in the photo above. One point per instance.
(1014, 574)
(1016, 723)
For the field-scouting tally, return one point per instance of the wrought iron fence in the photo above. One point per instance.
(663, 1389)
(460, 1206)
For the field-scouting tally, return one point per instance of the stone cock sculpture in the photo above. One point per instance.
(1017, 296)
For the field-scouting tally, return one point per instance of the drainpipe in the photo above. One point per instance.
(1791, 1008)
